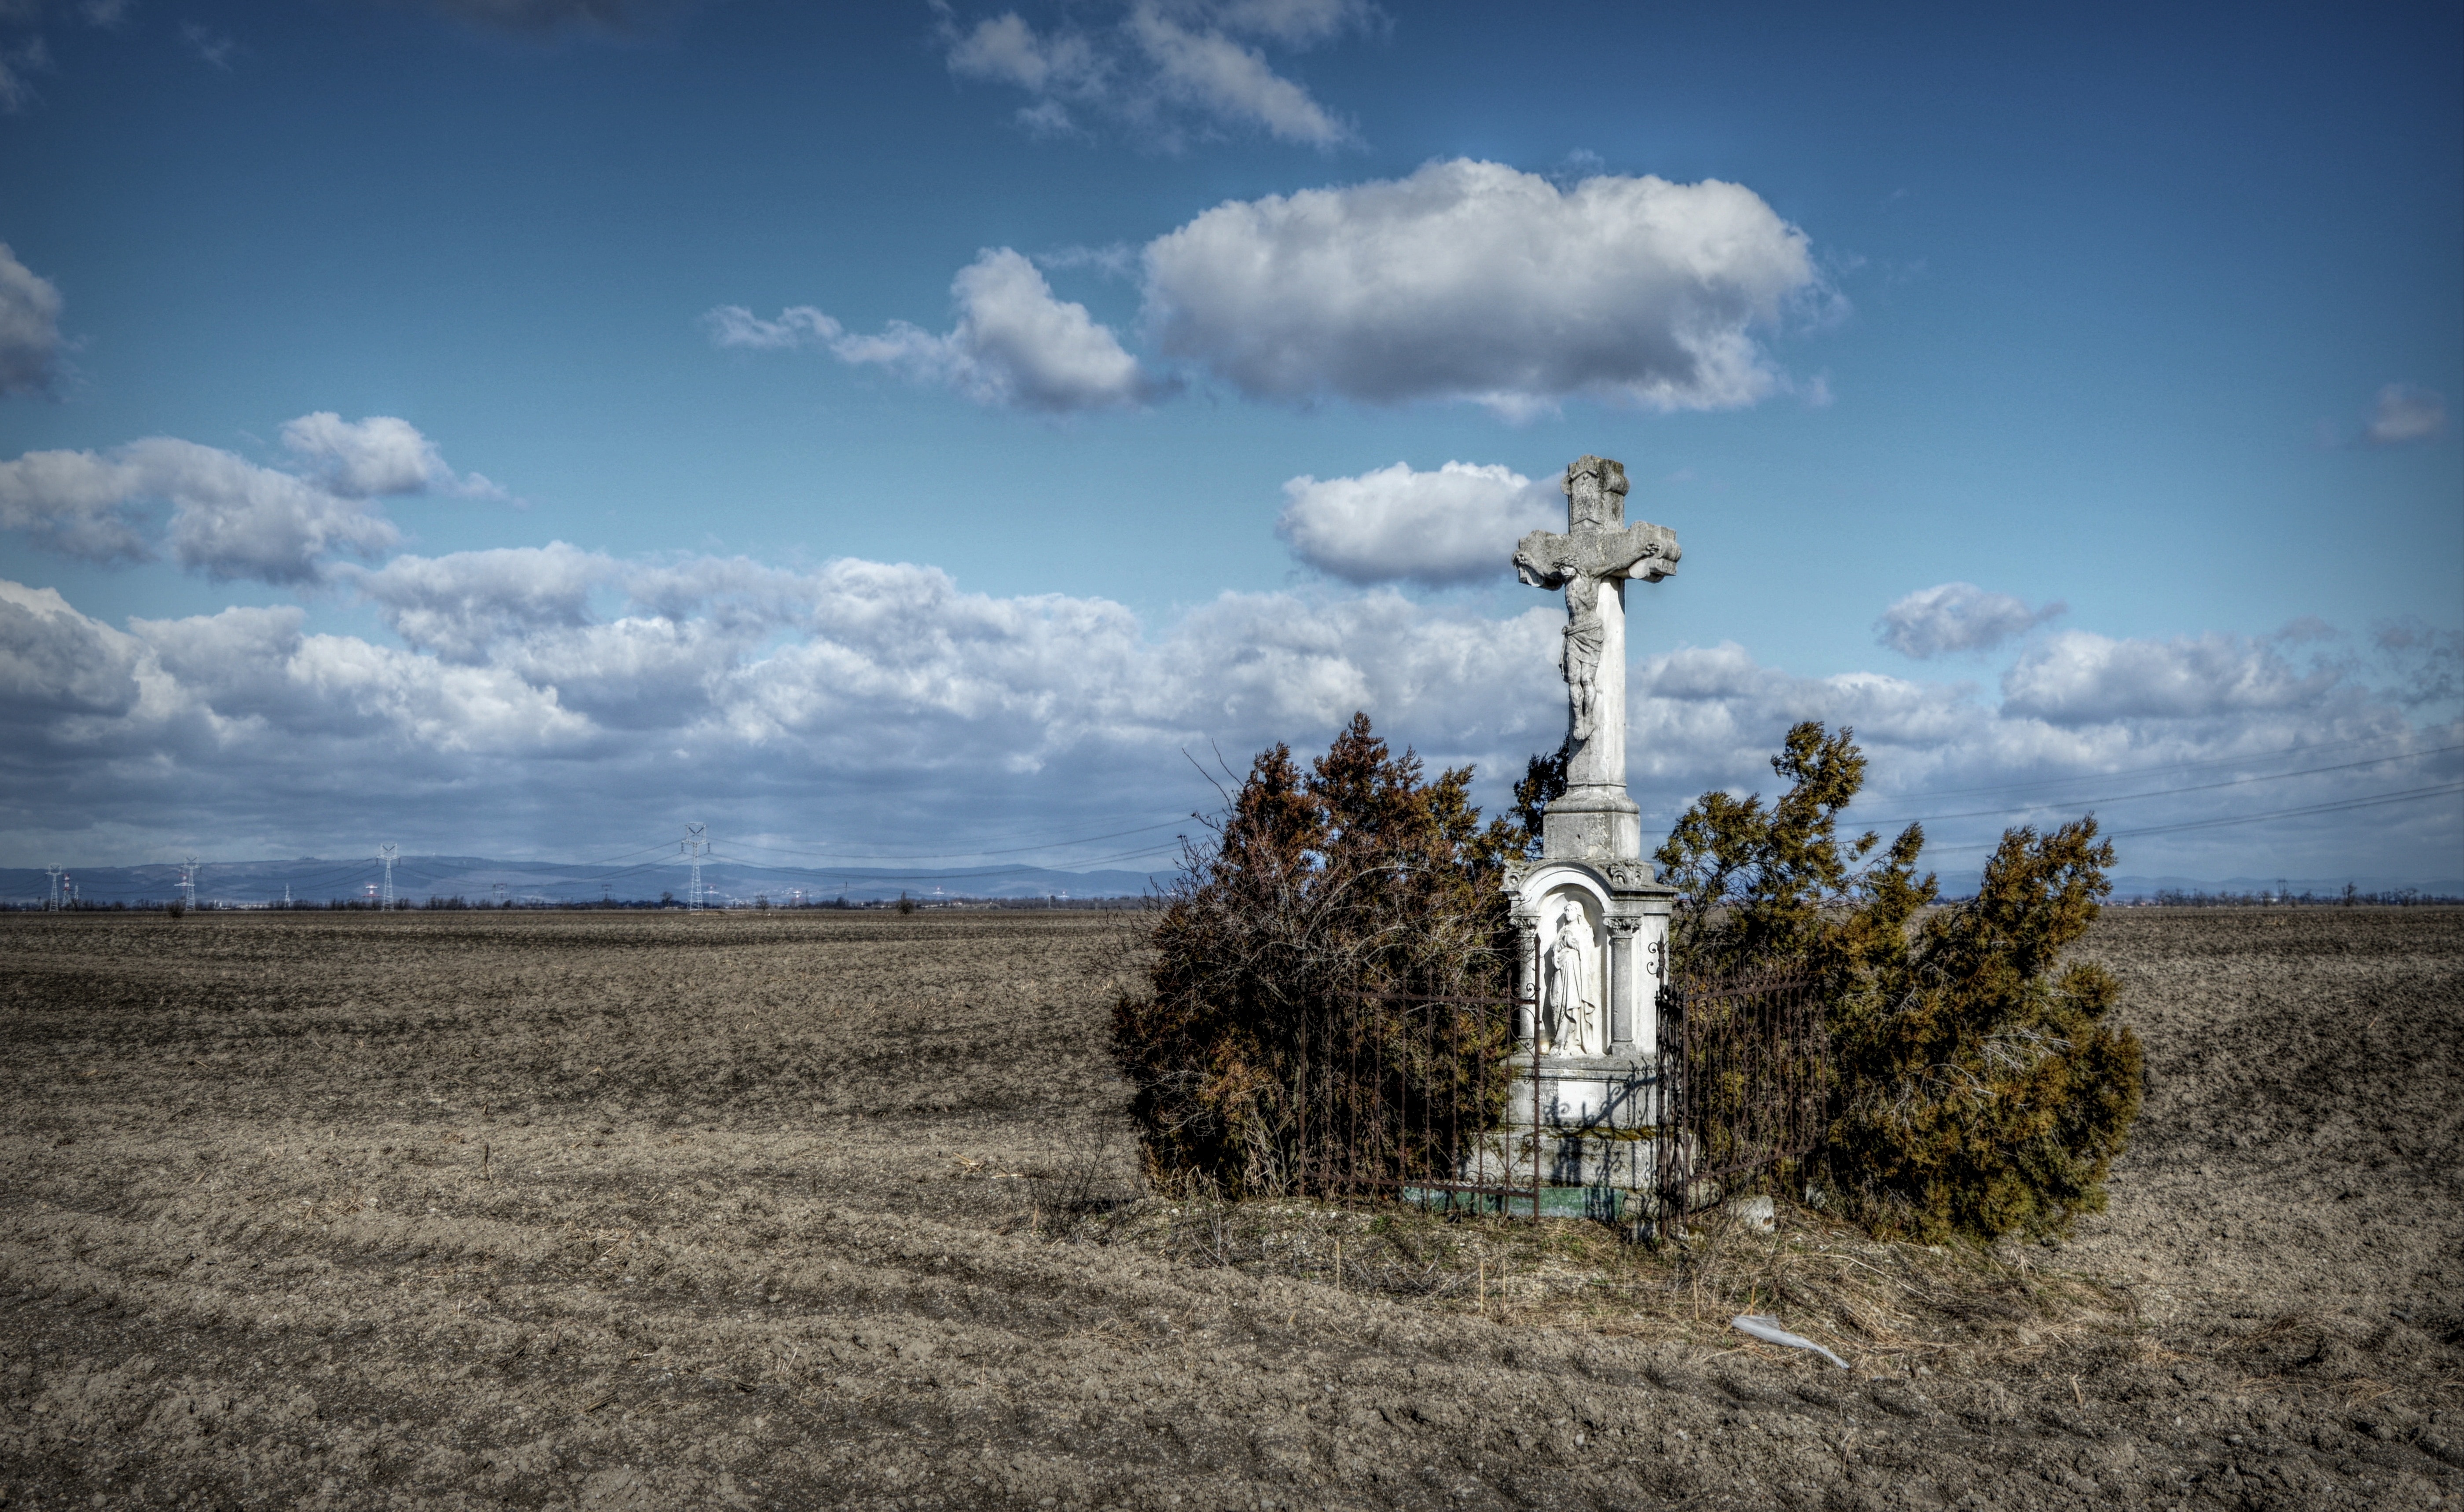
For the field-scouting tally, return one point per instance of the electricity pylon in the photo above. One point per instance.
(695, 845)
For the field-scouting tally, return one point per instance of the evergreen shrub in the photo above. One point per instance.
(1979, 1089)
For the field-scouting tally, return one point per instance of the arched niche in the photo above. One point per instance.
(1567, 961)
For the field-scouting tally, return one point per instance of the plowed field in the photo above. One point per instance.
(656, 1211)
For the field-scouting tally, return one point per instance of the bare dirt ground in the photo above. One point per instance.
(626, 1210)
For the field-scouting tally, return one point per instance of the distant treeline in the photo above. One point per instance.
(176, 907)
(2352, 897)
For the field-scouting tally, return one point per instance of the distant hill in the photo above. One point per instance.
(477, 879)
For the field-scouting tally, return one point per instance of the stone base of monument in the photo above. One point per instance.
(1583, 1093)
(1596, 1147)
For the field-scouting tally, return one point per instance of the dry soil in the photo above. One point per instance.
(627, 1211)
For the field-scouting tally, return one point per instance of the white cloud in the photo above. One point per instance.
(1217, 74)
(1154, 61)
(1473, 281)
(796, 326)
(2427, 662)
(75, 503)
(1957, 617)
(2080, 678)
(566, 702)
(1014, 346)
(30, 321)
(56, 662)
(1005, 50)
(1465, 281)
(230, 518)
(1457, 524)
(1293, 23)
(381, 454)
(2406, 415)
(460, 606)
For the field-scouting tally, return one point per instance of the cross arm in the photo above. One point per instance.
(1546, 559)
(1646, 551)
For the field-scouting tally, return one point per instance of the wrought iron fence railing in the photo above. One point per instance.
(1746, 1076)
(1392, 1096)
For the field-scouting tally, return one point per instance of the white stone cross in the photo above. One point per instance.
(1598, 549)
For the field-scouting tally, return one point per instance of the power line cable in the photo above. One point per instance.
(2167, 792)
(2175, 766)
(2341, 806)
(2410, 796)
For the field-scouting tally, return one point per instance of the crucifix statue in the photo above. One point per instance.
(1592, 561)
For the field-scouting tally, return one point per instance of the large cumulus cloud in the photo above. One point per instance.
(1472, 280)
(1465, 281)
(1456, 524)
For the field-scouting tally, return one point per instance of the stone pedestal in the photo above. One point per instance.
(1597, 823)
(1594, 961)
(1591, 916)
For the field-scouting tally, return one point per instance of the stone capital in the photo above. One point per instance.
(1628, 875)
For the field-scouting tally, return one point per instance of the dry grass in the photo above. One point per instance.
(1889, 1309)
(567, 1211)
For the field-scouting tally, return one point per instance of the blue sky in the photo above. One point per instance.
(865, 429)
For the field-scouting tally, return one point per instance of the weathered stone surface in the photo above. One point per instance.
(1592, 914)
(1755, 1213)
(1593, 561)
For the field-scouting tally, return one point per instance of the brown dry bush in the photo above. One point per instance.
(1356, 875)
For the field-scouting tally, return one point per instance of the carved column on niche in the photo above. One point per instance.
(1527, 991)
(1622, 980)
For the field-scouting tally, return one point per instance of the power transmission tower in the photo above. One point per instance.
(188, 880)
(54, 873)
(695, 845)
(386, 854)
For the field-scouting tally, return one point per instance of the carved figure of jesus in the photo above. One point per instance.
(1584, 636)
(1597, 554)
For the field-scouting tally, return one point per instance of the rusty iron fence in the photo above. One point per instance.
(1394, 1094)
(1745, 1072)
(1424, 1099)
